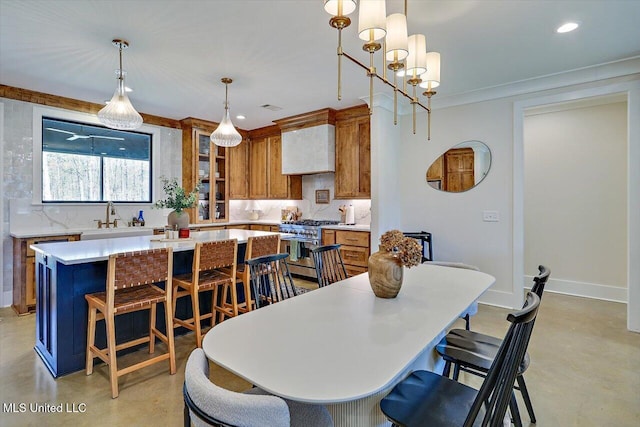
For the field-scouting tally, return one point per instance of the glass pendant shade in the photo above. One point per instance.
(119, 113)
(332, 7)
(417, 58)
(372, 21)
(226, 134)
(432, 75)
(397, 40)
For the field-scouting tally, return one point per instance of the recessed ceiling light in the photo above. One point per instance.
(567, 27)
(240, 117)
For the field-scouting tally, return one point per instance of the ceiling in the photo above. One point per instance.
(283, 52)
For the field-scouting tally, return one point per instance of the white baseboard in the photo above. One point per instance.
(6, 299)
(498, 298)
(583, 289)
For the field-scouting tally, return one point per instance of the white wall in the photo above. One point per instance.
(5, 297)
(19, 211)
(575, 197)
(386, 176)
(456, 219)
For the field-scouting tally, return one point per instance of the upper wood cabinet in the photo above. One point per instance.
(459, 165)
(266, 180)
(258, 168)
(353, 154)
(239, 171)
(205, 162)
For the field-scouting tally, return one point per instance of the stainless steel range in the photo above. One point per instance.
(307, 234)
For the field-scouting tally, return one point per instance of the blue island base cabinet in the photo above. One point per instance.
(61, 311)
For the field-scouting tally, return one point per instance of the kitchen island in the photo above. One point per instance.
(67, 271)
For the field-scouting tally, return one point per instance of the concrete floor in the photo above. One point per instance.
(585, 371)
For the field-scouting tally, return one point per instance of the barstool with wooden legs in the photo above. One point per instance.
(257, 246)
(131, 286)
(214, 265)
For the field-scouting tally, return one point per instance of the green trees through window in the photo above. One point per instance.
(87, 163)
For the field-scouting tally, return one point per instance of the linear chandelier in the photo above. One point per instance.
(405, 56)
(119, 113)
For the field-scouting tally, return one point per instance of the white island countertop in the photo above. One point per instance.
(85, 251)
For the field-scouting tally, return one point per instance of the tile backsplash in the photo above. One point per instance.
(310, 209)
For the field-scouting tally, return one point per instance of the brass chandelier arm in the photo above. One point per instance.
(355, 61)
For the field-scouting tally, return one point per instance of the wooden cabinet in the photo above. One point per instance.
(258, 168)
(24, 270)
(328, 237)
(435, 171)
(239, 171)
(353, 154)
(266, 180)
(459, 165)
(354, 249)
(205, 162)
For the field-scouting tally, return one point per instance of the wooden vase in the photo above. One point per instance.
(178, 220)
(385, 274)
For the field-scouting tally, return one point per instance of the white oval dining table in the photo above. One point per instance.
(343, 347)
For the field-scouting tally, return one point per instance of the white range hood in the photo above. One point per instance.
(309, 150)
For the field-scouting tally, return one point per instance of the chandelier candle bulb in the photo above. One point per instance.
(372, 20)
(397, 40)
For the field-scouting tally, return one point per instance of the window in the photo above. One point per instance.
(89, 163)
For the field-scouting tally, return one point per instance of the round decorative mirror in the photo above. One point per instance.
(461, 168)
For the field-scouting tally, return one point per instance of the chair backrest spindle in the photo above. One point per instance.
(329, 264)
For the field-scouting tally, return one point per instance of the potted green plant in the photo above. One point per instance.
(177, 199)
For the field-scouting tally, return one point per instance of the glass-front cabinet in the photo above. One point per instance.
(206, 163)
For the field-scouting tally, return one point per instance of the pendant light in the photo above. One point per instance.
(225, 134)
(119, 113)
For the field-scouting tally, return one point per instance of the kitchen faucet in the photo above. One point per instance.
(111, 210)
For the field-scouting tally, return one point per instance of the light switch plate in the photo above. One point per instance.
(490, 216)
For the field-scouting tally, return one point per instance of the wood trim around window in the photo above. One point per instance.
(56, 101)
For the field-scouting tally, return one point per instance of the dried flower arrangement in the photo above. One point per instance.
(406, 249)
(177, 198)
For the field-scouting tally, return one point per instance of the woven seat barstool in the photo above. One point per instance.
(214, 266)
(131, 286)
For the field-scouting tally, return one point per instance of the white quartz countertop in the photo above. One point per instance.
(351, 227)
(51, 231)
(84, 251)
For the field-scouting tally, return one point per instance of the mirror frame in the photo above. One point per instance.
(440, 182)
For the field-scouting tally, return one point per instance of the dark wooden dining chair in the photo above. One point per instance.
(329, 265)
(428, 399)
(132, 279)
(271, 279)
(256, 246)
(473, 352)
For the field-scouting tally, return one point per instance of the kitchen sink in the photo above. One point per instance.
(109, 233)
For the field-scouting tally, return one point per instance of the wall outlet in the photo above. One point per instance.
(490, 216)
